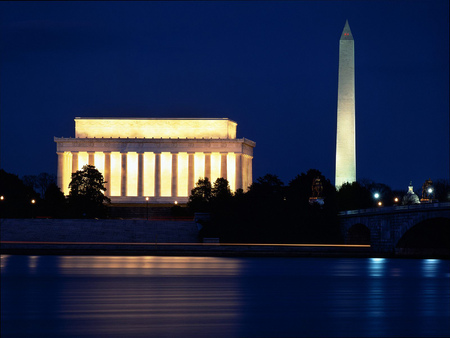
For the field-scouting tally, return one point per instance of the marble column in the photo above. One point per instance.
(123, 181)
(157, 174)
(91, 155)
(238, 171)
(191, 172)
(140, 174)
(223, 165)
(250, 170)
(174, 174)
(59, 177)
(108, 173)
(208, 165)
(74, 161)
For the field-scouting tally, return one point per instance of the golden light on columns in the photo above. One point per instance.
(116, 175)
(149, 173)
(182, 186)
(66, 172)
(162, 158)
(199, 166)
(99, 162)
(215, 166)
(231, 170)
(132, 174)
(83, 159)
(166, 174)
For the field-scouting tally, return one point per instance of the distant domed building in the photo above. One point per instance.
(410, 197)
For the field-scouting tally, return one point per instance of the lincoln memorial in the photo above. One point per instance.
(157, 158)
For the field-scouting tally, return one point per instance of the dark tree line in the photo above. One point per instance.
(269, 212)
(273, 212)
(86, 197)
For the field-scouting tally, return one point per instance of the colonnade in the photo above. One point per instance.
(157, 174)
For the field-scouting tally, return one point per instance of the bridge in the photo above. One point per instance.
(387, 228)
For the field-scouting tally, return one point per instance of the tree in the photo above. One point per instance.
(86, 195)
(353, 196)
(311, 222)
(269, 187)
(200, 196)
(221, 190)
(442, 190)
(54, 202)
(44, 180)
(39, 182)
(17, 197)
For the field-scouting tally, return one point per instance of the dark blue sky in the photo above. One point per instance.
(270, 66)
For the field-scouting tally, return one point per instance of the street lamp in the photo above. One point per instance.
(376, 195)
(33, 201)
(2, 198)
(380, 203)
(147, 199)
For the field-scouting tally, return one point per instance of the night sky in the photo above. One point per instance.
(270, 66)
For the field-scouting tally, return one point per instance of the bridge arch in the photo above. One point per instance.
(427, 233)
(358, 234)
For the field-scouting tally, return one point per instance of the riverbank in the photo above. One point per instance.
(159, 238)
(183, 249)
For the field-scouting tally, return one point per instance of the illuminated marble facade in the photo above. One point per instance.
(345, 139)
(157, 158)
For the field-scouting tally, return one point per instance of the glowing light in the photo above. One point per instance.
(166, 174)
(132, 174)
(199, 166)
(380, 204)
(149, 174)
(83, 159)
(66, 172)
(396, 199)
(376, 267)
(147, 199)
(155, 128)
(231, 170)
(33, 201)
(215, 167)
(176, 202)
(99, 162)
(183, 167)
(246, 172)
(430, 190)
(2, 198)
(430, 267)
(116, 173)
(376, 195)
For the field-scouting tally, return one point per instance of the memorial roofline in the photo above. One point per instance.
(156, 118)
(243, 139)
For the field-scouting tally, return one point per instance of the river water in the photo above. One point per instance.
(96, 296)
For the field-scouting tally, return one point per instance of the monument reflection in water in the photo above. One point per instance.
(52, 296)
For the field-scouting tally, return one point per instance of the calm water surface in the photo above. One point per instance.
(73, 296)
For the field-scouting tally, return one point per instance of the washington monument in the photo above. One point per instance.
(345, 140)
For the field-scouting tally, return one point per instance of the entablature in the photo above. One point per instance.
(139, 145)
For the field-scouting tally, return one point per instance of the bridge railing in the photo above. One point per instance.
(427, 206)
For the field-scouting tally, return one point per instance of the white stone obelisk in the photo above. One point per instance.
(345, 140)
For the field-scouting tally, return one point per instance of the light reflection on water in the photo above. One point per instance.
(97, 296)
